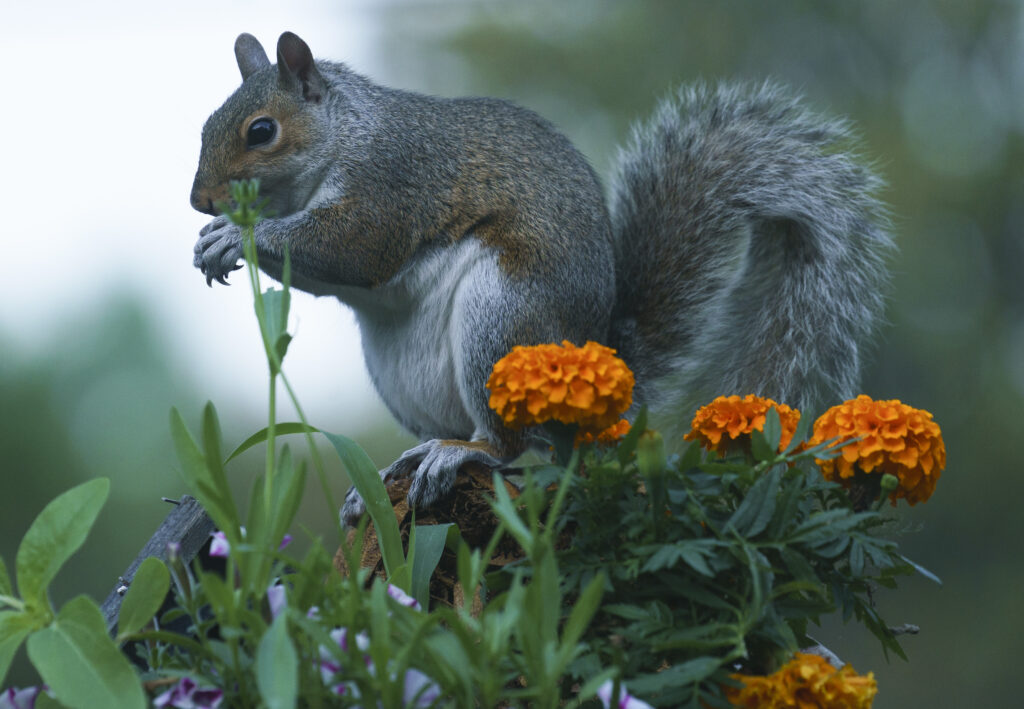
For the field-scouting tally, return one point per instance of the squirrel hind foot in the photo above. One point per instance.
(432, 467)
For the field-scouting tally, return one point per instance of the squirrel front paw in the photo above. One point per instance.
(432, 466)
(218, 250)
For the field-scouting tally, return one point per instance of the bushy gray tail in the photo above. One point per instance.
(751, 252)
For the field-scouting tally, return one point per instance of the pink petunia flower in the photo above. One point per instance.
(186, 694)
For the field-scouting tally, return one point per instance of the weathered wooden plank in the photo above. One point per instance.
(187, 525)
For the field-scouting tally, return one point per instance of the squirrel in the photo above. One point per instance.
(742, 248)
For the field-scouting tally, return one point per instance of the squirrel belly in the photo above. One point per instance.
(412, 339)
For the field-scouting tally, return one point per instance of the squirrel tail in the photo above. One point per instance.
(751, 252)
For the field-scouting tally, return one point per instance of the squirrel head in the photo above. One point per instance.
(272, 128)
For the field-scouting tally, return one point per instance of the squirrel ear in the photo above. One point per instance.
(296, 69)
(250, 55)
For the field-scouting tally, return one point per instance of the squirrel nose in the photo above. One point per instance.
(202, 202)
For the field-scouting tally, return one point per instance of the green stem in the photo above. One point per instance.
(318, 462)
(268, 484)
(13, 602)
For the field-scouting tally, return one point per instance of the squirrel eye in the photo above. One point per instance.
(261, 131)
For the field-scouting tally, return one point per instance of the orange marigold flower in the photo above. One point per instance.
(737, 417)
(807, 681)
(893, 438)
(606, 437)
(586, 385)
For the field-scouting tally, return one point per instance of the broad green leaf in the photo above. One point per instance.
(81, 664)
(430, 541)
(14, 626)
(56, 534)
(277, 666)
(145, 596)
(364, 476)
(281, 429)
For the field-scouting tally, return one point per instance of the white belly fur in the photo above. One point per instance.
(408, 340)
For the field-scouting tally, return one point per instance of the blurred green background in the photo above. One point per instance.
(936, 91)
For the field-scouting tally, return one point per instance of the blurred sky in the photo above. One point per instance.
(103, 106)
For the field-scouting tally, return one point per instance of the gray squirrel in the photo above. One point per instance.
(742, 249)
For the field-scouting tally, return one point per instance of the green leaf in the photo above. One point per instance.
(772, 429)
(212, 445)
(754, 513)
(694, 558)
(145, 596)
(650, 455)
(364, 476)
(856, 558)
(690, 458)
(56, 534)
(288, 488)
(81, 664)
(579, 618)
(45, 701)
(760, 448)
(803, 427)
(281, 429)
(627, 612)
(209, 488)
(14, 626)
(277, 666)
(786, 506)
(430, 541)
(628, 443)
(685, 673)
(276, 303)
(798, 566)
(219, 595)
(505, 511)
